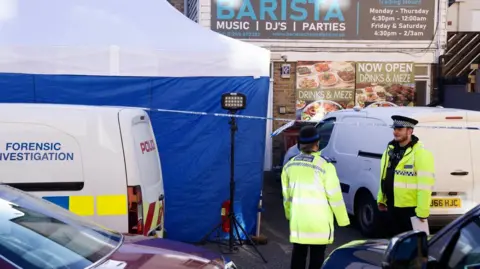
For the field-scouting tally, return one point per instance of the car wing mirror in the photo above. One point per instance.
(407, 250)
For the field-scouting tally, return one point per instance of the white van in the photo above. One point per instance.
(98, 162)
(356, 138)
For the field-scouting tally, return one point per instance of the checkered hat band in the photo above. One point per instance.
(403, 123)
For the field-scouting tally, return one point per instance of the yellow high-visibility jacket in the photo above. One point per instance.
(413, 180)
(312, 196)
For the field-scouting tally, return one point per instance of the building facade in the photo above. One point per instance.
(180, 5)
(398, 39)
(463, 16)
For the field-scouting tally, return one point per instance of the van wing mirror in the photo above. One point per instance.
(407, 250)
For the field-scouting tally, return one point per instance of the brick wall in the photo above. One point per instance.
(283, 95)
(178, 4)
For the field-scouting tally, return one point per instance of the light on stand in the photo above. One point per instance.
(233, 102)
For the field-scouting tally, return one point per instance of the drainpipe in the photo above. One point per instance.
(440, 87)
(440, 79)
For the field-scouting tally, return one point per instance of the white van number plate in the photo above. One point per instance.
(446, 203)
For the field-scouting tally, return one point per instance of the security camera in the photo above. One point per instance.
(284, 57)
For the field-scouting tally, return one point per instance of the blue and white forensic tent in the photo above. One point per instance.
(147, 54)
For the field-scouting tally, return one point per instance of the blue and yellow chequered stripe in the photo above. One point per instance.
(106, 205)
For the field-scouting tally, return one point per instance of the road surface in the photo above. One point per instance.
(274, 225)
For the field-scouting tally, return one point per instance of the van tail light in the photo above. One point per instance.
(135, 210)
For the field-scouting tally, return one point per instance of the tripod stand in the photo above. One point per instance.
(231, 218)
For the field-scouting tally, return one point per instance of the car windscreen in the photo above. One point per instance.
(38, 234)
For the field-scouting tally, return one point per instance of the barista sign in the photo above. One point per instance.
(324, 19)
(279, 19)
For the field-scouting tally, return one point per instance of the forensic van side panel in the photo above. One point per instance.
(29, 158)
(69, 155)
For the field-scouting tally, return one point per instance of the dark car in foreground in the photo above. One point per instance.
(455, 246)
(37, 234)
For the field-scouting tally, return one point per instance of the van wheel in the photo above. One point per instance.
(367, 215)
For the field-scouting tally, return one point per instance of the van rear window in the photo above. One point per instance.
(325, 130)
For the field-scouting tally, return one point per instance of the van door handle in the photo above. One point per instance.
(161, 197)
(459, 173)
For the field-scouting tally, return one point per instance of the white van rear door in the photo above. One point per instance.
(452, 192)
(473, 120)
(142, 163)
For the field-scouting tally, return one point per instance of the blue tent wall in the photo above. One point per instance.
(194, 149)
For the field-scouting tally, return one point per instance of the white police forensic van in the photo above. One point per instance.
(355, 140)
(98, 162)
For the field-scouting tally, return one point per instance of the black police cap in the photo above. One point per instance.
(403, 122)
(308, 134)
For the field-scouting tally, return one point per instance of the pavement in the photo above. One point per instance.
(274, 226)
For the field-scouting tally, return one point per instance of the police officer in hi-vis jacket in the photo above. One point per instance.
(312, 197)
(407, 177)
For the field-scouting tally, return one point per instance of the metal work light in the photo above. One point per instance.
(234, 101)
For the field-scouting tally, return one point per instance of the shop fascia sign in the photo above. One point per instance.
(325, 19)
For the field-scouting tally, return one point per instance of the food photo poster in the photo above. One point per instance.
(323, 87)
(328, 86)
(385, 82)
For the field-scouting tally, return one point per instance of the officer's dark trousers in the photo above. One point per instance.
(400, 218)
(300, 253)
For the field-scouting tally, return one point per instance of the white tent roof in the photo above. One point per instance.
(118, 37)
